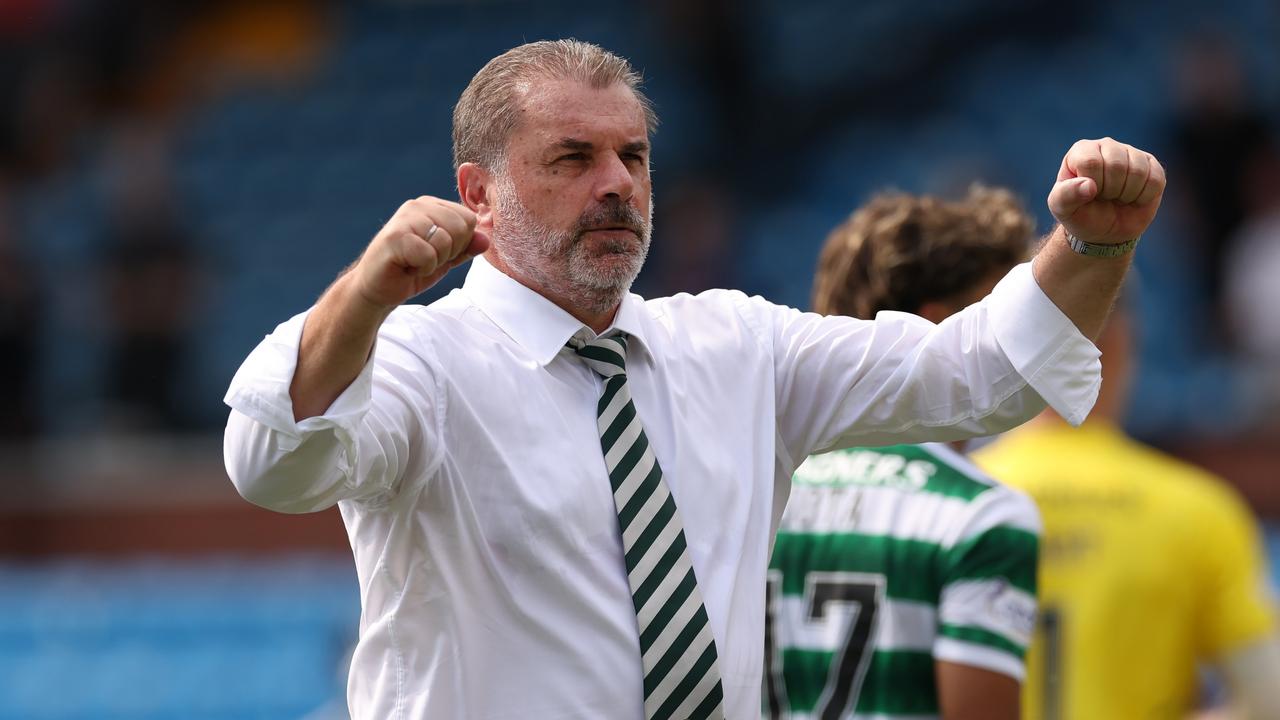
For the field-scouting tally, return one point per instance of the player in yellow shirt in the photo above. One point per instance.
(1148, 566)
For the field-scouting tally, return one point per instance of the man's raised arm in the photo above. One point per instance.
(303, 432)
(1106, 195)
(425, 239)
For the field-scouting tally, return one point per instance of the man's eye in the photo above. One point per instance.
(572, 157)
(633, 157)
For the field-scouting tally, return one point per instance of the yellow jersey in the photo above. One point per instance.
(1148, 565)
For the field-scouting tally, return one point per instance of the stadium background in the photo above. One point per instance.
(176, 178)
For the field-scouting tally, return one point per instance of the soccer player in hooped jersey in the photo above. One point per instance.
(903, 579)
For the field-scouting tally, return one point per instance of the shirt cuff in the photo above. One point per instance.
(1044, 346)
(260, 391)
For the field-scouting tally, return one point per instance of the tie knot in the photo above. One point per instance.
(605, 355)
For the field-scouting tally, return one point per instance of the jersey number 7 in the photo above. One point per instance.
(829, 597)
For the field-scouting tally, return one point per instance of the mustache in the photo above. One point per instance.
(613, 213)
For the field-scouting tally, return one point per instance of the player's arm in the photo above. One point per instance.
(987, 610)
(1238, 625)
(1107, 193)
(966, 692)
(1253, 676)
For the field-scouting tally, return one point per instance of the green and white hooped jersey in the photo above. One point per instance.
(887, 560)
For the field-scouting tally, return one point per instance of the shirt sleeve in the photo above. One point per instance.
(358, 449)
(986, 613)
(899, 378)
(1238, 608)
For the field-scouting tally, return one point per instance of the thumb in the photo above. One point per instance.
(480, 242)
(478, 245)
(1068, 196)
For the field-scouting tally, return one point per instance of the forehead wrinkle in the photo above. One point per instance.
(569, 103)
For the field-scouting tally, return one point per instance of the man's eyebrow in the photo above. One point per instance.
(575, 144)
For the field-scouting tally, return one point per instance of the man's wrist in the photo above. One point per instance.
(1101, 250)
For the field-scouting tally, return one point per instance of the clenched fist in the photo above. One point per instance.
(426, 238)
(1107, 192)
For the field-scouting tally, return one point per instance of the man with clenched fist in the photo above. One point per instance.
(561, 496)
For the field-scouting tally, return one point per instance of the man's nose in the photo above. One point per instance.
(615, 180)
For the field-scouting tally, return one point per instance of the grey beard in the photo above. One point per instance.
(557, 261)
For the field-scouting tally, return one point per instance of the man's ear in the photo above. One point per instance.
(474, 189)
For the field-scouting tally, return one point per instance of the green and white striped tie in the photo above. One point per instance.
(678, 652)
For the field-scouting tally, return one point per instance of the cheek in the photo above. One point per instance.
(643, 184)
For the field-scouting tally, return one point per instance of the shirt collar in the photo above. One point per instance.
(538, 325)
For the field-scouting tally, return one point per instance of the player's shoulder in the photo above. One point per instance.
(902, 468)
(957, 474)
(991, 503)
(970, 498)
(1196, 489)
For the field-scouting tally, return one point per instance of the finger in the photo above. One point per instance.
(1068, 196)
(1154, 187)
(456, 225)
(1115, 159)
(414, 216)
(428, 220)
(1136, 179)
(1084, 159)
(442, 241)
(480, 242)
(467, 214)
(415, 254)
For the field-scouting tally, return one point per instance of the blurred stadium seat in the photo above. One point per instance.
(168, 639)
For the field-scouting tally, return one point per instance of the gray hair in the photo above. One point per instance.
(487, 111)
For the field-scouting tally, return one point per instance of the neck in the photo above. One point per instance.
(594, 308)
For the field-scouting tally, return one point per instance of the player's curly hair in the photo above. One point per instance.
(900, 251)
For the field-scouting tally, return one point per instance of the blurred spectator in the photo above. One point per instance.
(151, 284)
(20, 319)
(1252, 266)
(1216, 135)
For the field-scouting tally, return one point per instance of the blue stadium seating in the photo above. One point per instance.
(217, 638)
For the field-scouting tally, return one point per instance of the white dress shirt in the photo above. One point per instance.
(466, 462)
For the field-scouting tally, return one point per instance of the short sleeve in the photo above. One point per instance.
(986, 614)
(1238, 607)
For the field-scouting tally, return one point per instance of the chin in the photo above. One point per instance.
(607, 277)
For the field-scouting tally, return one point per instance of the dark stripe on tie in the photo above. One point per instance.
(678, 648)
(616, 428)
(604, 355)
(611, 388)
(712, 700)
(687, 685)
(650, 533)
(641, 495)
(663, 616)
(628, 462)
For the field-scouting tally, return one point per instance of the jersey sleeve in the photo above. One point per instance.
(1238, 607)
(986, 614)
